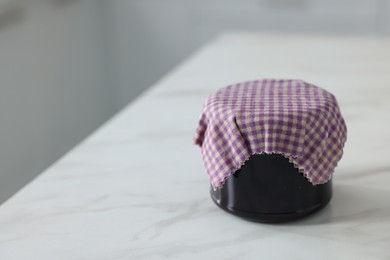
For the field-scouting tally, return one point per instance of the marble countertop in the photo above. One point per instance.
(136, 188)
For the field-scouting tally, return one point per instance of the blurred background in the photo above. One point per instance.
(67, 66)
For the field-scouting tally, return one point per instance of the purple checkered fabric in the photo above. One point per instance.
(290, 117)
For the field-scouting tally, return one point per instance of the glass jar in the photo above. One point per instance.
(268, 188)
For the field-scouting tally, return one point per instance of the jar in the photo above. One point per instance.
(268, 188)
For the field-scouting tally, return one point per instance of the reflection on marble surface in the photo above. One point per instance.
(136, 188)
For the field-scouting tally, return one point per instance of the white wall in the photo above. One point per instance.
(151, 36)
(148, 39)
(53, 90)
(67, 65)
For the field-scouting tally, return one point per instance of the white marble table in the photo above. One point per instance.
(136, 188)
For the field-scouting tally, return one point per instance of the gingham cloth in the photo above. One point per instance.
(289, 117)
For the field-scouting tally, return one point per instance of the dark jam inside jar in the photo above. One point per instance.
(268, 188)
